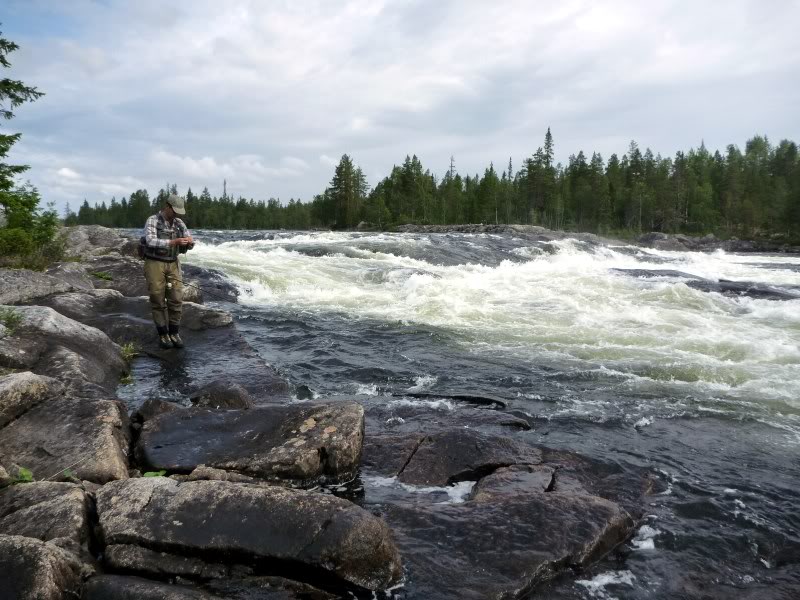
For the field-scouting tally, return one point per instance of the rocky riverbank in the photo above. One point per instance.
(239, 490)
(660, 241)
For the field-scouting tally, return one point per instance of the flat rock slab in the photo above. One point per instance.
(118, 587)
(463, 454)
(300, 442)
(85, 435)
(504, 547)
(48, 511)
(261, 526)
(32, 569)
(21, 391)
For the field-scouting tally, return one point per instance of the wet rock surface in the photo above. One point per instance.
(299, 443)
(459, 455)
(222, 394)
(117, 587)
(502, 546)
(324, 533)
(476, 508)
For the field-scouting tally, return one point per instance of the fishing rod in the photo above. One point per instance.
(218, 296)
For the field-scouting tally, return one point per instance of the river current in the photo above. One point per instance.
(608, 347)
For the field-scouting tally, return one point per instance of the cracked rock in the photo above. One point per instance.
(260, 526)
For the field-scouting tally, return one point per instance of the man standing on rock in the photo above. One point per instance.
(165, 237)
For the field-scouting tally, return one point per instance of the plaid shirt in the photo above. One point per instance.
(178, 229)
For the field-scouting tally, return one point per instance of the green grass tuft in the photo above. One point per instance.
(10, 318)
(129, 351)
(103, 275)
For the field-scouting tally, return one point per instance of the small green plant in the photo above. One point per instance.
(129, 351)
(23, 476)
(103, 275)
(154, 473)
(126, 379)
(68, 474)
(10, 318)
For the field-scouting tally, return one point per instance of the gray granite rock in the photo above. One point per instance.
(302, 442)
(251, 524)
(89, 436)
(31, 569)
(21, 391)
(21, 285)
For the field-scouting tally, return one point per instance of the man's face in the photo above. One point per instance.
(169, 214)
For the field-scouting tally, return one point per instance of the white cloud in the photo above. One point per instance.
(265, 94)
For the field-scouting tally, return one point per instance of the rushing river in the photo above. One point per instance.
(612, 358)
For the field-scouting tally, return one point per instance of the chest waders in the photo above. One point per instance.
(165, 284)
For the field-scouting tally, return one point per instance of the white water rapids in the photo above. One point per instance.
(566, 309)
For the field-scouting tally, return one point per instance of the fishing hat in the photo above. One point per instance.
(177, 204)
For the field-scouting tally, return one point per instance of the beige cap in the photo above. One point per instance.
(177, 204)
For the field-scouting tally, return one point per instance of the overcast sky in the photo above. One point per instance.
(269, 94)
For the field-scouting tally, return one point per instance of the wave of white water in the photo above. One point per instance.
(569, 309)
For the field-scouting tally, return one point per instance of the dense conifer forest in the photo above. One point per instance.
(750, 193)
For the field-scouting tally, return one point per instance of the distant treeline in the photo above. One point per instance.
(750, 193)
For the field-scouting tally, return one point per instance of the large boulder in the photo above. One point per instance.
(86, 306)
(22, 285)
(72, 273)
(95, 240)
(32, 569)
(67, 350)
(254, 525)
(502, 546)
(19, 392)
(303, 442)
(48, 511)
(88, 436)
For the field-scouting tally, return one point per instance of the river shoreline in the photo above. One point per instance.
(489, 463)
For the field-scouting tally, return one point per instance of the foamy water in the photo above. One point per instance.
(566, 309)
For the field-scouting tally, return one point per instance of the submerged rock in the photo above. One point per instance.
(298, 442)
(459, 455)
(253, 525)
(222, 394)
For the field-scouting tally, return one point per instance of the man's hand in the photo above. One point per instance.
(180, 241)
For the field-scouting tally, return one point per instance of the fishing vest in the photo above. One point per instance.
(164, 232)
